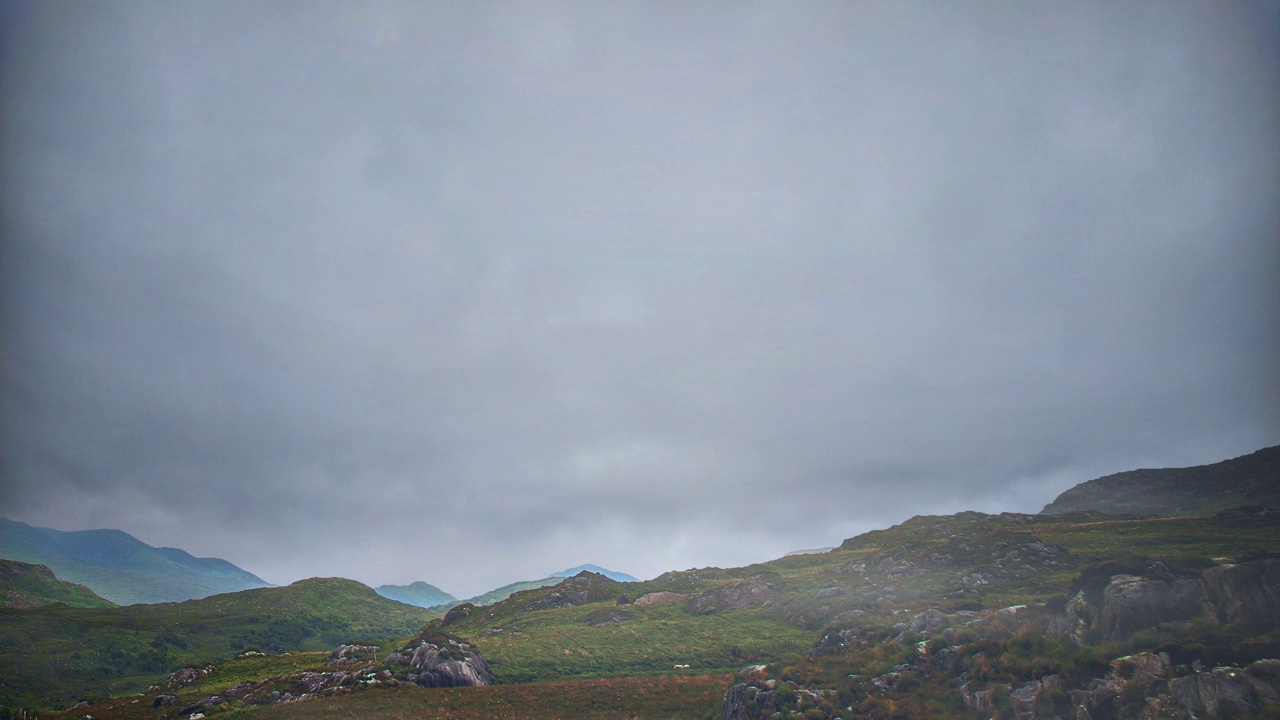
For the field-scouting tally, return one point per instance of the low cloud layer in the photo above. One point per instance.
(474, 295)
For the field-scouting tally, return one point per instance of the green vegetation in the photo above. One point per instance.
(55, 655)
(26, 585)
(499, 594)
(935, 617)
(670, 698)
(554, 644)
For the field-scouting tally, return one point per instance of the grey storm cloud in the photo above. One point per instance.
(471, 294)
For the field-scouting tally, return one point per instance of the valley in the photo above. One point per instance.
(1079, 614)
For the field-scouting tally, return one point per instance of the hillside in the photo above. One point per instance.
(56, 654)
(961, 616)
(506, 591)
(1077, 614)
(419, 593)
(26, 585)
(499, 594)
(1252, 479)
(121, 568)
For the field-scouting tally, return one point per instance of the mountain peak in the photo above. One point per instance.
(1252, 479)
(620, 577)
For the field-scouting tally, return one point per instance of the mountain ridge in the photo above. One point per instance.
(618, 576)
(418, 593)
(121, 568)
(1252, 479)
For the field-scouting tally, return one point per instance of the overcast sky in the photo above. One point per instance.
(470, 293)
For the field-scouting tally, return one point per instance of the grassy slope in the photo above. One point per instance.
(56, 654)
(884, 578)
(696, 696)
(499, 594)
(26, 585)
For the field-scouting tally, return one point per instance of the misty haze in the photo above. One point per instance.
(568, 359)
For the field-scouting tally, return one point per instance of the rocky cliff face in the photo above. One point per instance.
(1148, 686)
(1246, 593)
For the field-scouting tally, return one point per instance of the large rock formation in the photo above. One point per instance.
(437, 659)
(449, 666)
(1246, 593)
(754, 592)
(1148, 686)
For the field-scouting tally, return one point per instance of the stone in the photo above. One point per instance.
(439, 667)
(654, 598)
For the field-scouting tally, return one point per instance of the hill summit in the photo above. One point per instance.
(620, 577)
(417, 593)
(1252, 479)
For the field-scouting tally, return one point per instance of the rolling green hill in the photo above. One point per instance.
(1252, 479)
(1074, 614)
(499, 594)
(954, 616)
(26, 585)
(121, 568)
(57, 654)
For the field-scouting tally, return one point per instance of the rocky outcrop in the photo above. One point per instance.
(558, 599)
(759, 698)
(1246, 593)
(1132, 603)
(604, 617)
(212, 701)
(754, 592)
(344, 654)
(453, 665)
(654, 598)
(1146, 685)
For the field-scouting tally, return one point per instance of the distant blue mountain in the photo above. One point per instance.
(419, 593)
(620, 577)
(120, 567)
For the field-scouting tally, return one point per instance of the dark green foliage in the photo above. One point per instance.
(55, 654)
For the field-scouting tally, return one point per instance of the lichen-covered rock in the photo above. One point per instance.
(437, 666)
(751, 593)
(654, 598)
(603, 617)
(1246, 593)
(346, 653)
